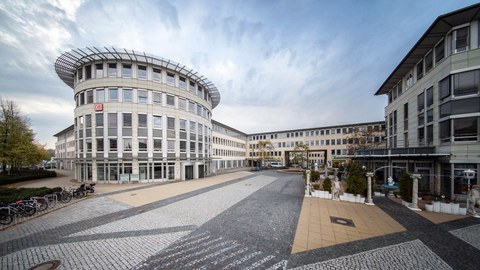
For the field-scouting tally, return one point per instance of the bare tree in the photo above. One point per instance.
(363, 138)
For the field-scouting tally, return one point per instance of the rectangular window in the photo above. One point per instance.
(465, 129)
(99, 119)
(445, 131)
(112, 94)
(405, 116)
(439, 51)
(112, 120)
(157, 121)
(421, 136)
(142, 144)
(428, 62)
(170, 100)
(430, 116)
(192, 87)
(171, 123)
(157, 98)
(99, 70)
(157, 145)
(88, 120)
(429, 96)
(89, 96)
(183, 146)
(142, 72)
(112, 69)
(419, 70)
(182, 104)
(127, 144)
(444, 88)
(157, 74)
(88, 72)
(80, 74)
(421, 102)
(142, 96)
(462, 39)
(127, 70)
(127, 120)
(191, 106)
(170, 78)
(466, 83)
(127, 95)
(82, 98)
(183, 124)
(100, 145)
(142, 120)
(430, 135)
(182, 84)
(100, 95)
(112, 145)
(199, 109)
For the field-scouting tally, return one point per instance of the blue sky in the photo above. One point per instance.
(278, 64)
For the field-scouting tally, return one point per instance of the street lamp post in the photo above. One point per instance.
(414, 206)
(369, 190)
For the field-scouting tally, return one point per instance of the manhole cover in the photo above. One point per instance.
(50, 265)
(134, 194)
(342, 221)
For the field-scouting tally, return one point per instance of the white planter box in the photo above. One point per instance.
(429, 207)
(328, 195)
(462, 211)
(446, 208)
(377, 194)
(455, 208)
(436, 207)
(362, 200)
(357, 198)
(342, 198)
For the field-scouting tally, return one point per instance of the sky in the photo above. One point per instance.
(278, 65)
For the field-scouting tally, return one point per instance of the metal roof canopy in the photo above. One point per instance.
(68, 62)
(432, 36)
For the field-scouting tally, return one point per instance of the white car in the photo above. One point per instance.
(276, 165)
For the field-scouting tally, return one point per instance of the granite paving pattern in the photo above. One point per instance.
(246, 223)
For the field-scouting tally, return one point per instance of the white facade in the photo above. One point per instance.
(137, 117)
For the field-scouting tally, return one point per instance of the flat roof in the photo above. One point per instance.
(67, 63)
(432, 36)
(228, 127)
(70, 128)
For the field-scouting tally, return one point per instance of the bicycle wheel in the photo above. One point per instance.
(42, 204)
(28, 210)
(65, 197)
(5, 217)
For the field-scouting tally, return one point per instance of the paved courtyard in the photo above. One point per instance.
(242, 220)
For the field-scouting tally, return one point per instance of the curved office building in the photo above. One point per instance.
(138, 117)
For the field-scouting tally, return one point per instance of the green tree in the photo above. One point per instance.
(17, 144)
(356, 180)
(264, 150)
(300, 154)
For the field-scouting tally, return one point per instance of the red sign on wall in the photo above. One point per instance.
(98, 107)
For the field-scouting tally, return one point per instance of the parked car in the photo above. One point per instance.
(276, 165)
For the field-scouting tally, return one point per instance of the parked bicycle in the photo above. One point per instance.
(20, 208)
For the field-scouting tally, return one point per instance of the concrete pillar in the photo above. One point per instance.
(369, 189)
(414, 206)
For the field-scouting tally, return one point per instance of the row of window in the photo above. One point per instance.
(228, 153)
(279, 153)
(457, 40)
(346, 141)
(143, 144)
(128, 95)
(228, 164)
(142, 72)
(221, 141)
(114, 171)
(228, 132)
(323, 132)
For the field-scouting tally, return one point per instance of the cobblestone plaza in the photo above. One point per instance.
(235, 221)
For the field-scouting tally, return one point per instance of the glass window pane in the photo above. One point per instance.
(127, 95)
(465, 129)
(142, 96)
(100, 96)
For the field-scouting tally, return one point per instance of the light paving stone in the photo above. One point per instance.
(409, 255)
(470, 235)
(192, 211)
(87, 209)
(119, 253)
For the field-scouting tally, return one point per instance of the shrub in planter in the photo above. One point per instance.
(405, 183)
(314, 176)
(327, 184)
(356, 180)
(316, 186)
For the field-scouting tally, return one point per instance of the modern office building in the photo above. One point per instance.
(433, 109)
(138, 117)
(229, 148)
(65, 148)
(326, 145)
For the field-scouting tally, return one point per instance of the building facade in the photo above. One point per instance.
(433, 109)
(138, 117)
(65, 148)
(229, 148)
(326, 145)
